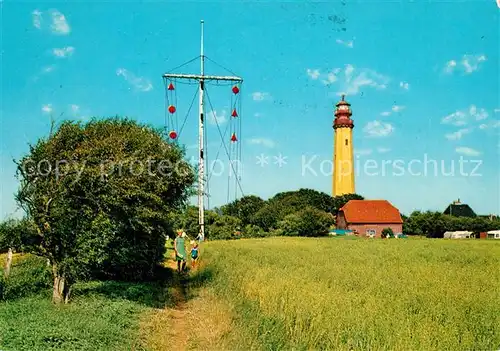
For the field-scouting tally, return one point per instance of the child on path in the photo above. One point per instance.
(194, 253)
(199, 237)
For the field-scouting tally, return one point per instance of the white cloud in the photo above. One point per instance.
(78, 112)
(37, 19)
(259, 96)
(467, 64)
(383, 150)
(450, 66)
(47, 108)
(215, 117)
(363, 152)
(496, 110)
(492, 124)
(478, 114)
(74, 108)
(313, 73)
(471, 63)
(457, 118)
(395, 108)
(357, 79)
(44, 70)
(63, 52)
(139, 83)
(331, 77)
(48, 69)
(458, 134)
(257, 114)
(463, 117)
(378, 129)
(59, 24)
(404, 85)
(467, 151)
(349, 44)
(351, 79)
(261, 141)
(349, 69)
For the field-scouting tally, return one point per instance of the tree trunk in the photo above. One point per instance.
(8, 263)
(62, 288)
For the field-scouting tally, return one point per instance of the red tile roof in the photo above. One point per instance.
(371, 211)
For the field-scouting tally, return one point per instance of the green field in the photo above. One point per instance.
(287, 294)
(102, 315)
(293, 293)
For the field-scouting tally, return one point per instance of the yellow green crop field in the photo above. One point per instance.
(341, 294)
(275, 294)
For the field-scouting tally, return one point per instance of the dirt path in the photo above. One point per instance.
(178, 316)
(199, 323)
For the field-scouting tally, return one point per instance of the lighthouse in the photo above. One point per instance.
(343, 160)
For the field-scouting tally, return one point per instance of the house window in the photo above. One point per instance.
(346, 142)
(370, 232)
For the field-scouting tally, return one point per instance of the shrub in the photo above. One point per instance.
(224, 227)
(290, 225)
(28, 276)
(244, 208)
(387, 233)
(254, 231)
(18, 234)
(307, 222)
(267, 217)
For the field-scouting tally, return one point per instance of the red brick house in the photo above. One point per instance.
(369, 217)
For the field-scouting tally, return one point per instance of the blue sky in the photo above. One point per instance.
(422, 79)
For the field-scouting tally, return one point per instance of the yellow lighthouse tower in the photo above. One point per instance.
(343, 171)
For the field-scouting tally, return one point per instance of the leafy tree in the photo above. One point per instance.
(341, 200)
(285, 203)
(244, 208)
(100, 194)
(413, 224)
(303, 198)
(188, 220)
(290, 225)
(434, 224)
(224, 227)
(254, 231)
(307, 222)
(268, 216)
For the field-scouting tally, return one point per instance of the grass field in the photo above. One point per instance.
(102, 315)
(339, 294)
(284, 294)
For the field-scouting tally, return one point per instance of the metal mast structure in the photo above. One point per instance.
(202, 78)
